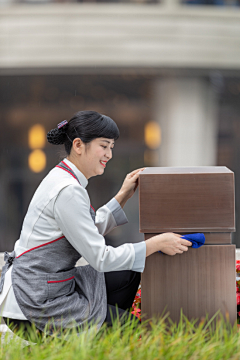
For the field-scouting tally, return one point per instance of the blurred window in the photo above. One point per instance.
(212, 2)
(76, 1)
(32, 105)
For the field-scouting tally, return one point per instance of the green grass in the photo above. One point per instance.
(187, 340)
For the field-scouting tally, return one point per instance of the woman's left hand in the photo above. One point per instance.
(129, 187)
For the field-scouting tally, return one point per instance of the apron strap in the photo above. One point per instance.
(8, 258)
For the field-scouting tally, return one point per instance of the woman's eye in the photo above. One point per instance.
(104, 146)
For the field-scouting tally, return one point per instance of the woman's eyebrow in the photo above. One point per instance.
(109, 142)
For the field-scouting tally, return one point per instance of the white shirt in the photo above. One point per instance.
(68, 213)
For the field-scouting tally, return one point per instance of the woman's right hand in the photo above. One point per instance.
(168, 243)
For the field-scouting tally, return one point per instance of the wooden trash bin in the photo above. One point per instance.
(200, 281)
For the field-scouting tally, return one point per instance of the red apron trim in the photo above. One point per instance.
(67, 171)
(92, 208)
(36, 247)
(66, 165)
(58, 281)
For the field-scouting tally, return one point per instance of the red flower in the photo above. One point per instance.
(238, 298)
(137, 313)
(136, 303)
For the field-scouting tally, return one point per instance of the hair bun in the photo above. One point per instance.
(57, 136)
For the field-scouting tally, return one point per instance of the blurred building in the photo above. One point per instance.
(167, 73)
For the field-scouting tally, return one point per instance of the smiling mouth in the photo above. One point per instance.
(103, 163)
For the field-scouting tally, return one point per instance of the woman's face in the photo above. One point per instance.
(94, 156)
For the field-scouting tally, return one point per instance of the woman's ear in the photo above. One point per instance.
(78, 146)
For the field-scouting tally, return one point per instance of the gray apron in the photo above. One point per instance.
(51, 291)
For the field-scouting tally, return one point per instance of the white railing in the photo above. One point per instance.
(58, 37)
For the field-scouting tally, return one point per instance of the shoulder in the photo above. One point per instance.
(72, 199)
(57, 179)
(73, 193)
(53, 184)
(74, 190)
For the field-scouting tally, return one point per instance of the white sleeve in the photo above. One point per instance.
(109, 216)
(72, 214)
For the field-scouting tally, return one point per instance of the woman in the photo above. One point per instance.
(42, 284)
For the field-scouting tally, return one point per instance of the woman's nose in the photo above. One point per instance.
(109, 154)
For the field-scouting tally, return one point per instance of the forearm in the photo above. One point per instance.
(109, 216)
(122, 198)
(128, 188)
(152, 246)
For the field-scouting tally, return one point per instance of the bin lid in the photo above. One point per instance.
(187, 199)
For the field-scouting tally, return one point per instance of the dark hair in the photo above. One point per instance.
(86, 125)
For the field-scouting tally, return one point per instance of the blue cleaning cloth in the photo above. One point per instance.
(197, 240)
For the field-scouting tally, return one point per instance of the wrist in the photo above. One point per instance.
(153, 245)
(121, 198)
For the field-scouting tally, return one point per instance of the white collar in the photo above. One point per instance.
(82, 179)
